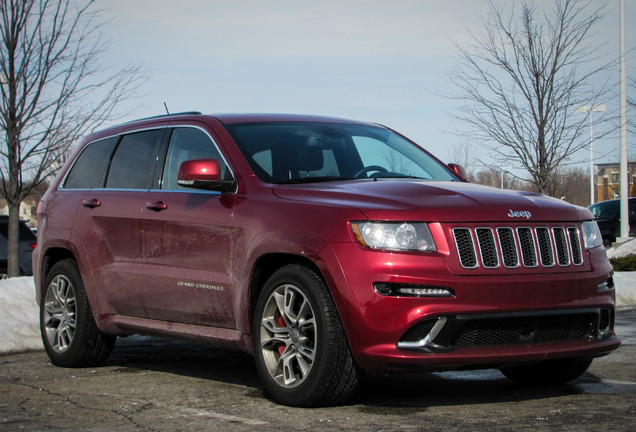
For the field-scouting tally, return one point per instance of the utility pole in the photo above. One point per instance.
(623, 171)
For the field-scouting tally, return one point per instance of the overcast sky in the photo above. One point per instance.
(380, 61)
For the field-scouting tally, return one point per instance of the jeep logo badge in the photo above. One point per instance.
(521, 214)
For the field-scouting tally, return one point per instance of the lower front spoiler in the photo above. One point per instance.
(386, 358)
(471, 341)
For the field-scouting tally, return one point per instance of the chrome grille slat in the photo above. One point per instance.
(465, 247)
(575, 246)
(528, 247)
(508, 247)
(545, 246)
(486, 242)
(513, 247)
(561, 243)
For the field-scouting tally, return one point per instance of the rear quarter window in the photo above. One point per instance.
(89, 170)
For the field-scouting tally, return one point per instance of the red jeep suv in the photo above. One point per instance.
(323, 247)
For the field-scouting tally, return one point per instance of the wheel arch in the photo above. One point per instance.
(266, 265)
(52, 256)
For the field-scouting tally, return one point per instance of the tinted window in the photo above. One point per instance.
(299, 152)
(133, 165)
(188, 144)
(89, 171)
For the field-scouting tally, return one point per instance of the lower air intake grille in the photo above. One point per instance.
(508, 332)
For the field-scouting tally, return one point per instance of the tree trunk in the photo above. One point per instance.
(13, 241)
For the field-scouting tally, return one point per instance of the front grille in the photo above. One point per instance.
(512, 247)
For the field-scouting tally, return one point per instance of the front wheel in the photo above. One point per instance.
(301, 352)
(69, 333)
(548, 372)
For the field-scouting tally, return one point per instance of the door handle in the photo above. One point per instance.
(91, 203)
(156, 205)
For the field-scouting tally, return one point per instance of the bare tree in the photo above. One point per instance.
(521, 83)
(53, 91)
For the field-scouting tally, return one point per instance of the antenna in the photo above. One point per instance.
(166, 107)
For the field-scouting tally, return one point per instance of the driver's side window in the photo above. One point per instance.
(188, 144)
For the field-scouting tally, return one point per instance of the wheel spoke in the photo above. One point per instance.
(290, 303)
(277, 335)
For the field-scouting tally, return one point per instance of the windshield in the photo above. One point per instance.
(299, 152)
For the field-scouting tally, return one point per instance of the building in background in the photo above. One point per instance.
(608, 181)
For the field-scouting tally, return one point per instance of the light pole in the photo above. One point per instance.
(588, 109)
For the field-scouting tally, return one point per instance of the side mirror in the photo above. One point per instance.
(204, 174)
(459, 171)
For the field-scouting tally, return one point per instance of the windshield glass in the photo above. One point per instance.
(299, 152)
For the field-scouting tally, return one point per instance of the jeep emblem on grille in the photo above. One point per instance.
(525, 214)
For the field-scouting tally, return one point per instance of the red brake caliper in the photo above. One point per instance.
(281, 323)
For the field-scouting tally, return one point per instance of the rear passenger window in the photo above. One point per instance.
(133, 165)
(189, 144)
(89, 171)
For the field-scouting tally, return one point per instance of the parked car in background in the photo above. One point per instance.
(607, 216)
(28, 241)
(324, 247)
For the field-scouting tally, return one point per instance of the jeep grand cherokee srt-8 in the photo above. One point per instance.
(323, 247)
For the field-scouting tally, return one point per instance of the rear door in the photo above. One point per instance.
(107, 224)
(187, 241)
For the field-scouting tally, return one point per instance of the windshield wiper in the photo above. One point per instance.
(311, 180)
(396, 175)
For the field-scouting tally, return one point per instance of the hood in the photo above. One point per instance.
(434, 201)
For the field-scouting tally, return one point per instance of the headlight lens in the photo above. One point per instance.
(592, 234)
(400, 236)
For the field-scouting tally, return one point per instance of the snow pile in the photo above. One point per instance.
(19, 316)
(626, 248)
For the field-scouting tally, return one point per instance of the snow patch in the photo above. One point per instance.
(623, 249)
(19, 316)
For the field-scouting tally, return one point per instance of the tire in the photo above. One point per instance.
(548, 372)
(69, 333)
(301, 352)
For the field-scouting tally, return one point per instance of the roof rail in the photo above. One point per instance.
(166, 115)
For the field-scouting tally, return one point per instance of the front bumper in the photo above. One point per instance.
(511, 318)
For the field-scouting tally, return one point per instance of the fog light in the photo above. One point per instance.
(410, 290)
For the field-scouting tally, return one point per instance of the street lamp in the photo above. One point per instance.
(588, 109)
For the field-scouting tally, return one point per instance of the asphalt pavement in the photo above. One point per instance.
(149, 384)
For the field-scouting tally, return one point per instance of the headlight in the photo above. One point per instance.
(592, 234)
(401, 236)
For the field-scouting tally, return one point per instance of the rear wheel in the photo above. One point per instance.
(71, 337)
(548, 372)
(301, 352)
